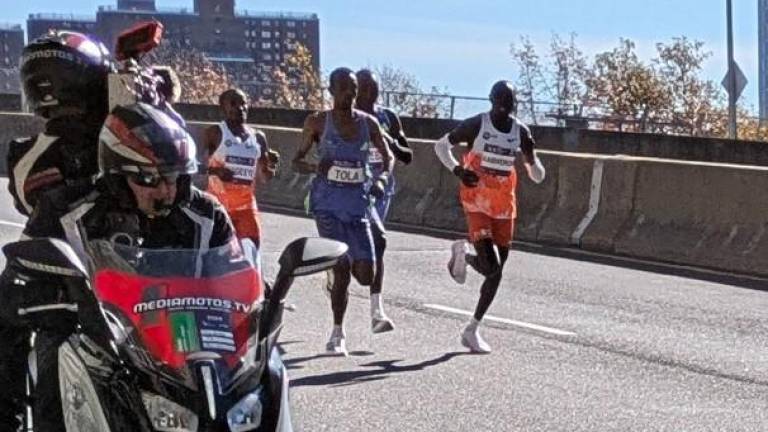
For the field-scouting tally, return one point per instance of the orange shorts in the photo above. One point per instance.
(247, 224)
(482, 226)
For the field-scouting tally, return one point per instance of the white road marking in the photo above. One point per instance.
(503, 320)
(13, 224)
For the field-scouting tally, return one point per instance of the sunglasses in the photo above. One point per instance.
(152, 180)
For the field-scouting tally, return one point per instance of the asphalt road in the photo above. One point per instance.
(578, 346)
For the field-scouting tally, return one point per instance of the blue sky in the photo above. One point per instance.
(464, 45)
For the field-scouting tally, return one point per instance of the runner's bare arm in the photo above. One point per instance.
(309, 136)
(527, 144)
(378, 141)
(212, 140)
(399, 146)
(267, 163)
(466, 132)
(533, 164)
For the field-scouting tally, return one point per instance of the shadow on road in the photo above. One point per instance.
(380, 371)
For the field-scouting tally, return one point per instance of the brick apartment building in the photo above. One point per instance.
(234, 38)
(11, 43)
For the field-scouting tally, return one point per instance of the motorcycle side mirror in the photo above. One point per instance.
(46, 255)
(301, 257)
(307, 256)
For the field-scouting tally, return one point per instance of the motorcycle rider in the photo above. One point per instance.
(143, 196)
(64, 76)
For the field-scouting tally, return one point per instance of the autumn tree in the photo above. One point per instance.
(568, 73)
(402, 92)
(628, 88)
(295, 82)
(695, 102)
(202, 81)
(530, 81)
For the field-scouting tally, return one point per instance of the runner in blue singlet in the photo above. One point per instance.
(344, 188)
(392, 131)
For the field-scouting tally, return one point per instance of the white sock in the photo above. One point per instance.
(473, 324)
(377, 307)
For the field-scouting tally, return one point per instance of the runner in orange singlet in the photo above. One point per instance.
(238, 159)
(487, 191)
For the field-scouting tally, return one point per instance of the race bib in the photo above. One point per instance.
(243, 169)
(346, 175)
(375, 157)
(497, 159)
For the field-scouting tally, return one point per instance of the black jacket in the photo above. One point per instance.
(66, 153)
(81, 212)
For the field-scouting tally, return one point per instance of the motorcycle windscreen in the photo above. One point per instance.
(178, 305)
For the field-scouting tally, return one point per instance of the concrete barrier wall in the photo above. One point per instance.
(702, 214)
(548, 138)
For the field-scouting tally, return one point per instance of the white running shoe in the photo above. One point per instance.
(471, 339)
(337, 344)
(381, 324)
(457, 266)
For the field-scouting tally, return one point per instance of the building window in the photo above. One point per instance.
(217, 31)
(291, 35)
(266, 34)
(291, 24)
(217, 9)
(247, 33)
(266, 56)
(266, 23)
(277, 34)
(266, 45)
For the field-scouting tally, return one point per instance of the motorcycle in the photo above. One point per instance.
(169, 340)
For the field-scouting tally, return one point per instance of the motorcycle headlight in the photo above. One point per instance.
(246, 414)
(167, 416)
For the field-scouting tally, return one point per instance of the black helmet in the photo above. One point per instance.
(144, 142)
(65, 69)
